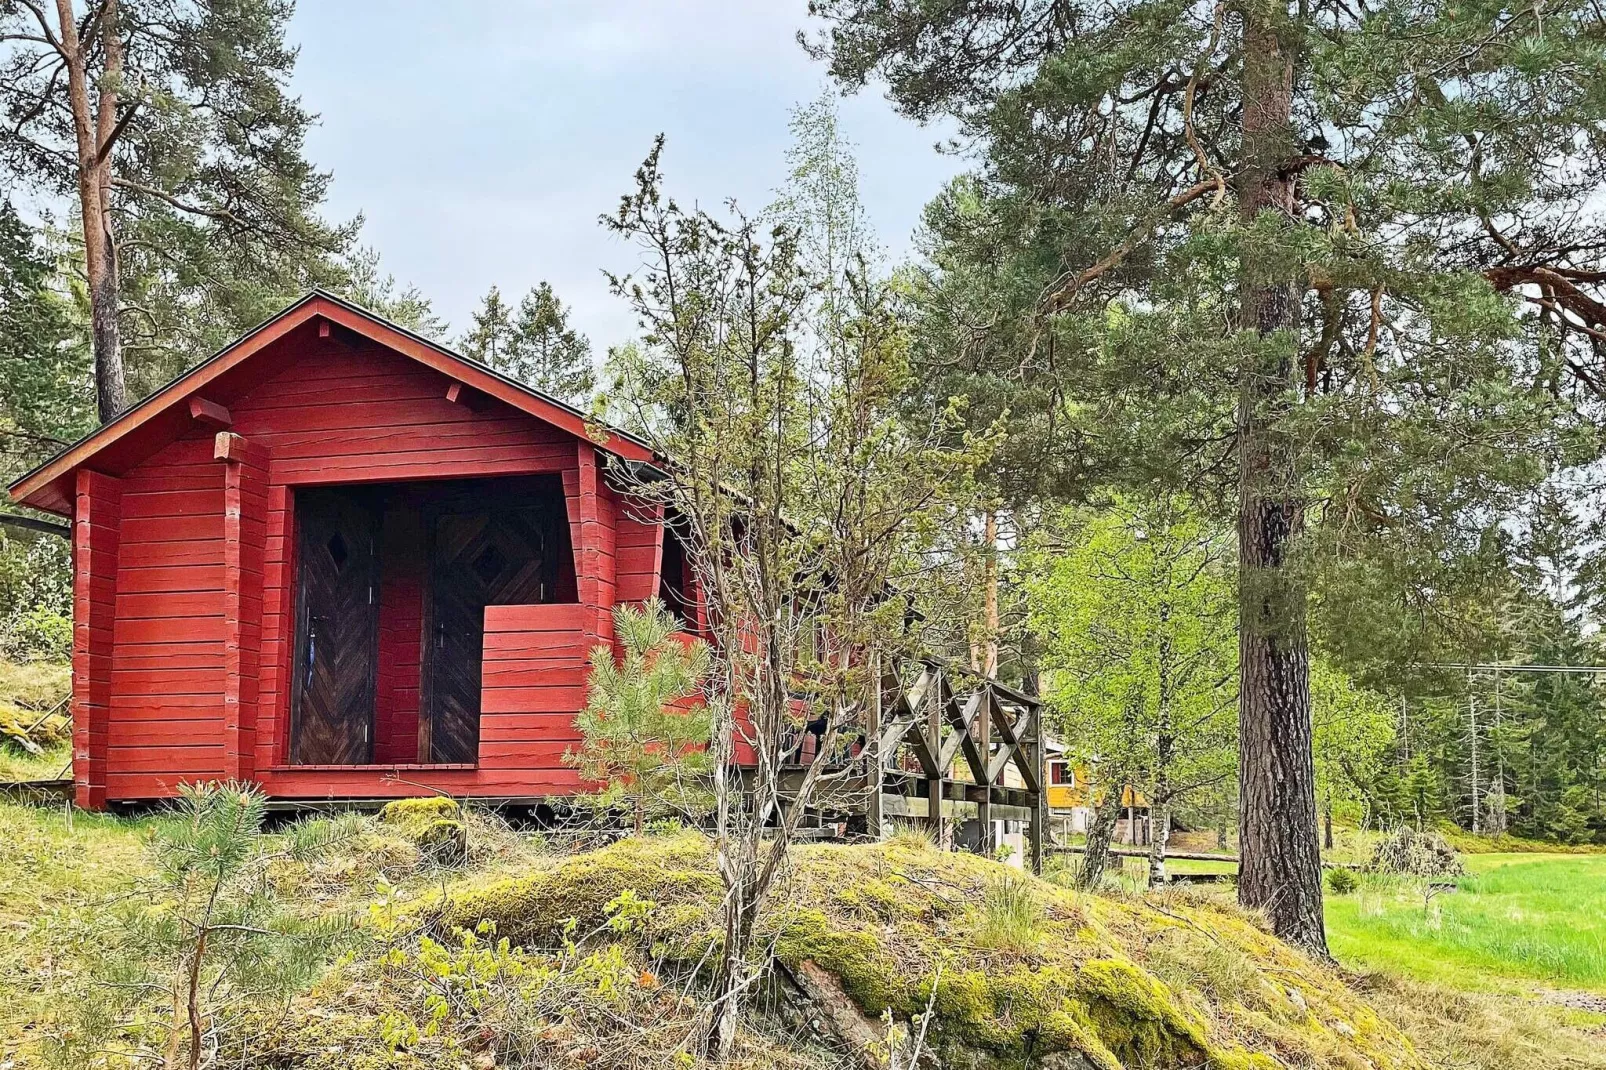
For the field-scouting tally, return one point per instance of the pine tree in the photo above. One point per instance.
(1331, 264)
(547, 353)
(170, 128)
(379, 292)
(208, 938)
(644, 733)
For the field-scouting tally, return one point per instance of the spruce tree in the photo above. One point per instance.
(534, 345)
(491, 337)
(549, 354)
(1331, 264)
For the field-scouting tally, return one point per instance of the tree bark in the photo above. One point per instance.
(1165, 746)
(94, 129)
(989, 667)
(1160, 821)
(1280, 872)
(734, 975)
(1096, 852)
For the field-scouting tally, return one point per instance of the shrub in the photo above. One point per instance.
(36, 635)
(1409, 853)
(1342, 881)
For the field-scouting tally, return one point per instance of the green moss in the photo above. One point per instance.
(855, 957)
(1121, 985)
(435, 825)
(1137, 1017)
(674, 872)
(410, 811)
(309, 1038)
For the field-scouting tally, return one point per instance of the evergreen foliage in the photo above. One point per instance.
(171, 129)
(207, 932)
(533, 344)
(645, 733)
(1329, 266)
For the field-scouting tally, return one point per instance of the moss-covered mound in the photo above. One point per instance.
(435, 825)
(1026, 972)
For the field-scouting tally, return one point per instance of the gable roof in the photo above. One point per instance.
(34, 488)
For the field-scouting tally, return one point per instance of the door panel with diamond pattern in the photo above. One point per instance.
(336, 629)
(477, 559)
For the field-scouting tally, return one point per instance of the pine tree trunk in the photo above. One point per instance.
(111, 388)
(93, 130)
(989, 667)
(1280, 872)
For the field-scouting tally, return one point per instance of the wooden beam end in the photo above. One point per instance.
(210, 413)
(228, 446)
(463, 394)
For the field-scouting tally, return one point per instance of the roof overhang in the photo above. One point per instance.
(48, 487)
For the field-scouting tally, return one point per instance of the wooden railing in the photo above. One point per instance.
(937, 743)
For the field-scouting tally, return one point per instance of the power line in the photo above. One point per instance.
(1497, 667)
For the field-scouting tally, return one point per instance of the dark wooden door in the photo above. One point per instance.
(332, 701)
(477, 559)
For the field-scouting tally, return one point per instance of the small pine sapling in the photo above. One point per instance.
(645, 731)
(208, 938)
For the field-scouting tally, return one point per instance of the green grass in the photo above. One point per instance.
(17, 765)
(33, 697)
(1515, 917)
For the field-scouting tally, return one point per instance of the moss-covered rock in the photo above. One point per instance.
(675, 872)
(1115, 984)
(435, 825)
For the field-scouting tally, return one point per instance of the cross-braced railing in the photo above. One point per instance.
(948, 746)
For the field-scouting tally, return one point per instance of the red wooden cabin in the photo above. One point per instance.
(343, 562)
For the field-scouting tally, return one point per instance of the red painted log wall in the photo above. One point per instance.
(201, 567)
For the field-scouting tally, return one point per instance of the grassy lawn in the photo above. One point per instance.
(1515, 917)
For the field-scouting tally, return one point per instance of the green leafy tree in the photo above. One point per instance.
(169, 127)
(45, 394)
(1353, 742)
(1134, 605)
(46, 401)
(802, 494)
(644, 729)
(1355, 256)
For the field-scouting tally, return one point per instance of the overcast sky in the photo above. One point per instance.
(482, 141)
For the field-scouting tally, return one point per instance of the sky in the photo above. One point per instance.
(481, 142)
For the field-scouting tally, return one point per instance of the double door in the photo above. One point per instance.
(475, 553)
